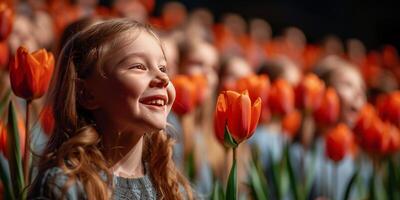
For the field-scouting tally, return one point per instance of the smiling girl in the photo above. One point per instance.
(111, 97)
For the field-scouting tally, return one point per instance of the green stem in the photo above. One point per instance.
(27, 144)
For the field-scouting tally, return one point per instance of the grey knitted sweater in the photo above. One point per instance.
(52, 182)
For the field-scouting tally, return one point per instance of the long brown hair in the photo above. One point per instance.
(75, 145)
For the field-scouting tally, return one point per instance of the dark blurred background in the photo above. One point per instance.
(373, 22)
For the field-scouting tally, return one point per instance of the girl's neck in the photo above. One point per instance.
(130, 165)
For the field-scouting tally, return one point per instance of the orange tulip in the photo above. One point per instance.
(393, 135)
(281, 97)
(388, 107)
(6, 21)
(30, 74)
(186, 96)
(291, 123)
(238, 114)
(309, 93)
(201, 86)
(3, 138)
(257, 86)
(47, 120)
(339, 142)
(370, 131)
(4, 55)
(328, 112)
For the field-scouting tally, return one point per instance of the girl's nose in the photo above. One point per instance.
(160, 81)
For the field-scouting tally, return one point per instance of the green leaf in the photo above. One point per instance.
(228, 140)
(13, 146)
(231, 188)
(218, 192)
(258, 188)
(350, 185)
(392, 182)
(292, 176)
(276, 178)
(5, 179)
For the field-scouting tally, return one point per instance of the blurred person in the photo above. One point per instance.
(295, 44)
(133, 9)
(232, 69)
(173, 15)
(199, 58)
(231, 35)
(346, 79)
(33, 27)
(259, 37)
(332, 45)
(356, 51)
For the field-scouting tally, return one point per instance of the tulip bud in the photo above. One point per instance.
(30, 74)
(339, 142)
(6, 21)
(309, 93)
(328, 112)
(236, 116)
(281, 98)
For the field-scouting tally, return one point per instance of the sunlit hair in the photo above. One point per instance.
(75, 145)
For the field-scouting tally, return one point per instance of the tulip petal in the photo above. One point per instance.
(255, 116)
(220, 117)
(239, 118)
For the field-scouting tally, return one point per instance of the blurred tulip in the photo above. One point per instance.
(201, 87)
(281, 98)
(390, 57)
(6, 21)
(238, 114)
(186, 95)
(388, 107)
(3, 138)
(47, 120)
(339, 142)
(291, 123)
(30, 74)
(309, 93)
(4, 55)
(370, 131)
(328, 112)
(393, 135)
(257, 86)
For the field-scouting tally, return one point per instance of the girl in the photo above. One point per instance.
(111, 97)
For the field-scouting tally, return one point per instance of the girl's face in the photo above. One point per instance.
(135, 93)
(351, 90)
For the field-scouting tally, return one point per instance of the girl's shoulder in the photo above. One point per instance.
(54, 183)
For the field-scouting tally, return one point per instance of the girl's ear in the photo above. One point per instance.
(85, 96)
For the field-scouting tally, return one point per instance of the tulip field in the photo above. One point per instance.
(256, 115)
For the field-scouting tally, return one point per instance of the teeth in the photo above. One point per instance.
(158, 102)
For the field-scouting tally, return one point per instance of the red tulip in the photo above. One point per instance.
(238, 114)
(328, 112)
(388, 107)
(281, 98)
(291, 123)
(393, 135)
(370, 131)
(47, 120)
(6, 21)
(257, 86)
(200, 82)
(30, 74)
(3, 138)
(339, 142)
(186, 96)
(4, 55)
(309, 93)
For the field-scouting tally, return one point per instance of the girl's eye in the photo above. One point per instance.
(137, 66)
(163, 68)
